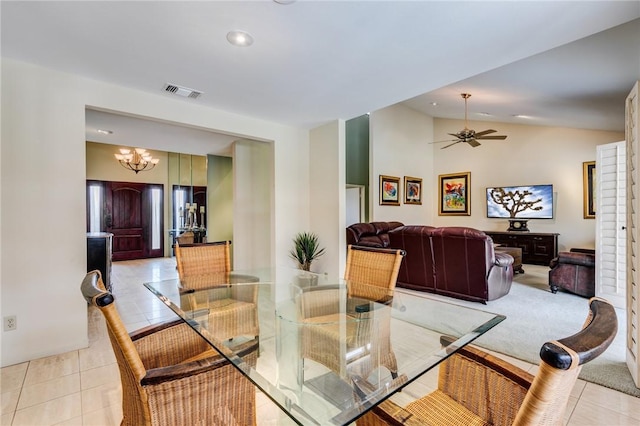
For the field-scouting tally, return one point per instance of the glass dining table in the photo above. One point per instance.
(325, 356)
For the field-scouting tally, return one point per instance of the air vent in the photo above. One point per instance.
(185, 92)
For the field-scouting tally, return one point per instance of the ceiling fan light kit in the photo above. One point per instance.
(470, 136)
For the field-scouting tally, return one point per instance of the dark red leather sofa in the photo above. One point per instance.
(453, 261)
(371, 234)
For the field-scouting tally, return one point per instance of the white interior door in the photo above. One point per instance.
(355, 204)
(611, 234)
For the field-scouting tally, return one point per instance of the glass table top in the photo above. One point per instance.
(325, 356)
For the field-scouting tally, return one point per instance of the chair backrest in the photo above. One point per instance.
(131, 368)
(203, 259)
(562, 360)
(372, 273)
(185, 238)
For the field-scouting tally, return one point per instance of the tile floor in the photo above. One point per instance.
(83, 387)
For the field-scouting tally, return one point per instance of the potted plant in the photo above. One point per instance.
(306, 249)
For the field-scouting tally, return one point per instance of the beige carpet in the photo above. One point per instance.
(535, 315)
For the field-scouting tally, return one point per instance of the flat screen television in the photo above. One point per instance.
(520, 202)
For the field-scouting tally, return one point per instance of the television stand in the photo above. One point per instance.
(518, 225)
(537, 248)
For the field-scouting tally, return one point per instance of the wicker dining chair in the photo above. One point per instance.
(203, 259)
(232, 311)
(170, 375)
(185, 238)
(475, 388)
(371, 275)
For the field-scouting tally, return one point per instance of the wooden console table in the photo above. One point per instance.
(537, 248)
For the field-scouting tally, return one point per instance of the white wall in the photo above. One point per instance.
(399, 139)
(327, 186)
(530, 155)
(43, 244)
(252, 186)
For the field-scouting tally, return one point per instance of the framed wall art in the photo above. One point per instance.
(389, 190)
(412, 190)
(454, 194)
(589, 188)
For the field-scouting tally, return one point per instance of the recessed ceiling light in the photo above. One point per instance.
(434, 104)
(105, 132)
(240, 38)
(522, 116)
(484, 114)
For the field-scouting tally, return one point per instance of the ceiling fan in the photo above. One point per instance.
(468, 135)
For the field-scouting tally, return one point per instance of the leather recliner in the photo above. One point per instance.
(574, 271)
(467, 267)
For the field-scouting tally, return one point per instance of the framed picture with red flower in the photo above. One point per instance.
(454, 194)
(389, 190)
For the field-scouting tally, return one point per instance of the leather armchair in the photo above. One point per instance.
(574, 271)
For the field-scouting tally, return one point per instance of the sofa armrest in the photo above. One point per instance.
(503, 259)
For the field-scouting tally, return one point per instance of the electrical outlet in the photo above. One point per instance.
(10, 323)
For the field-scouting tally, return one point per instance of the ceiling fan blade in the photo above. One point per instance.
(446, 140)
(447, 146)
(473, 142)
(485, 132)
(455, 135)
(496, 137)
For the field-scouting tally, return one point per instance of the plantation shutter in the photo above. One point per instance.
(611, 273)
(633, 225)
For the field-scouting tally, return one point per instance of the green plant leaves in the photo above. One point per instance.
(306, 248)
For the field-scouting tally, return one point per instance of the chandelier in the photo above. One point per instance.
(137, 161)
